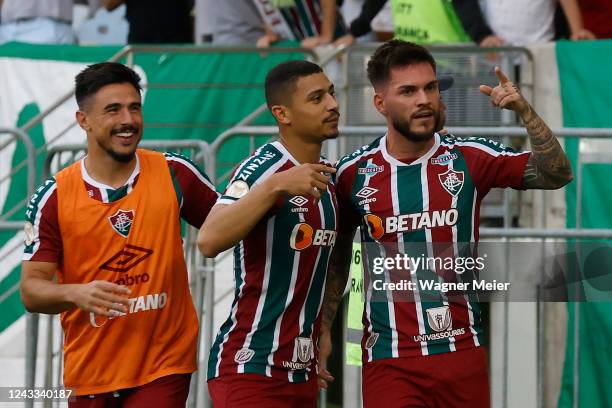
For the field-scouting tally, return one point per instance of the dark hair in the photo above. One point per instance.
(96, 76)
(281, 80)
(393, 54)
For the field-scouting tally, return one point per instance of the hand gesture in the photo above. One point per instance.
(325, 349)
(305, 179)
(101, 297)
(505, 95)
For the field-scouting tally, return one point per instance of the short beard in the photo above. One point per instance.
(119, 157)
(333, 135)
(403, 128)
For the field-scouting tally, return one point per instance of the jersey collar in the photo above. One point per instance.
(89, 180)
(420, 160)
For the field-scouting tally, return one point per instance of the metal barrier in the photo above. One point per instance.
(543, 235)
(31, 318)
(470, 67)
(201, 270)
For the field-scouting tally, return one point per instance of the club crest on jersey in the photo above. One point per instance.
(244, 355)
(444, 158)
(452, 181)
(439, 318)
(303, 349)
(122, 221)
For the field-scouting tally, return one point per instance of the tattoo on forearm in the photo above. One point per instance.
(548, 167)
(337, 275)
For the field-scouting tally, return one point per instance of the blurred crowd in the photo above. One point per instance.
(311, 23)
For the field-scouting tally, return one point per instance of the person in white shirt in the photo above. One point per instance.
(36, 21)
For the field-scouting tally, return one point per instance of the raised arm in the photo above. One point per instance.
(548, 167)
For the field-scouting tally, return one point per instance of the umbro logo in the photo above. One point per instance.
(126, 258)
(299, 202)
(366, 193)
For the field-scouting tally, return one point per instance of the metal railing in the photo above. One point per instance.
(31, 318)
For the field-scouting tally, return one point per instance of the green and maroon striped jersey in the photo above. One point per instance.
(279, 270)
(431, 202)
(295, 22)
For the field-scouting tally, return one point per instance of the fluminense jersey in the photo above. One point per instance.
(434, 199)
(280, 269)
(296, 19)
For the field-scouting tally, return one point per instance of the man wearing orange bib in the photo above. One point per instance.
(109, 225)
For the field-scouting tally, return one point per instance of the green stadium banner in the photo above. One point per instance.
(586, 86)
(187, 95)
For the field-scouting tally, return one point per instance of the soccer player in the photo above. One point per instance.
(414, 186)
(279, 214)
(109, 227)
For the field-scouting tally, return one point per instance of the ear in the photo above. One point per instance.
(379, 103)
(281, 114)
(81, 118)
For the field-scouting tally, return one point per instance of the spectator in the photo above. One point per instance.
(36, 21)
(597, 16)
(312, 22)
(157, 21)
(236, 22)
(431, 21)
(523, 22)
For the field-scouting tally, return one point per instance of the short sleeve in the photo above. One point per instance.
(251, 172)
(197, 193)
(344, 180)
(43, 242)
(492, 164)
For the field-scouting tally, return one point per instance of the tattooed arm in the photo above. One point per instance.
(548, 167)
(337, 276)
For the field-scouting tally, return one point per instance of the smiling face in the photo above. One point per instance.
(312, 111)
(410, 100)
(112, 118)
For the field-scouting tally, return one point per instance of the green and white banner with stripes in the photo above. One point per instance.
(585, 73)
